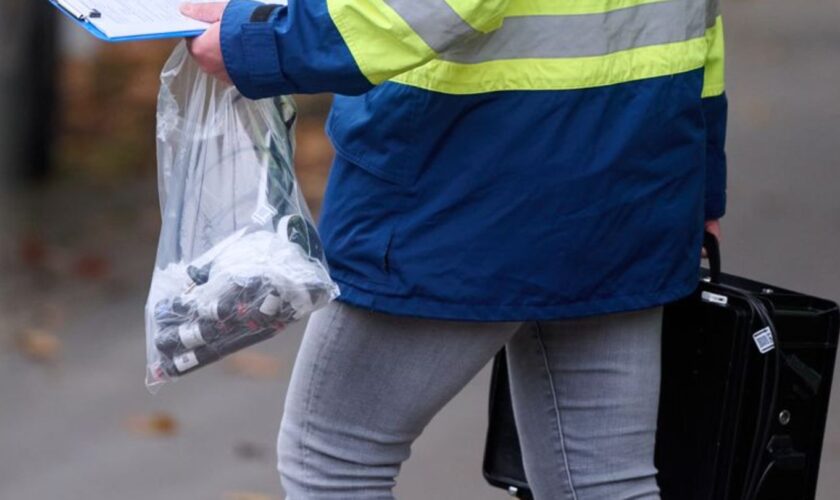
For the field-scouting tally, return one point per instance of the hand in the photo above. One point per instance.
(712, 226)
(206, 49)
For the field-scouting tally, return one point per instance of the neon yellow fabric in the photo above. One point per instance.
(714, 81)
(483, 15)
(385, 47)
(381, 42)
(557, 7)
(558, 74)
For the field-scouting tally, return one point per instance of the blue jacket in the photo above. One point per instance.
(520, 200)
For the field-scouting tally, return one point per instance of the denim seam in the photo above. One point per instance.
(313, 390)
(553, 388)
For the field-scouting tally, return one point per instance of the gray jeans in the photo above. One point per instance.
(365, 385)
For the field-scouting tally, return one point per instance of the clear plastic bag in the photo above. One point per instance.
(239, 258)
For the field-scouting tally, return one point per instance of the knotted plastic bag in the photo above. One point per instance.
(239, 258)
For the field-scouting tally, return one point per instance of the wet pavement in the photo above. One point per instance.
(77, 423)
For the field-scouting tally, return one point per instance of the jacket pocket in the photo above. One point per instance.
(358, 222)
(376, 131)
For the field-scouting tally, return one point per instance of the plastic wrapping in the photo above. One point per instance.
(239, 258)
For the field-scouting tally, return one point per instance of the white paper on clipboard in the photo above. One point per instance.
(132, 18)
(128, 18)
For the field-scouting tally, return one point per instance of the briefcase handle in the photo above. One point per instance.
(712, 246)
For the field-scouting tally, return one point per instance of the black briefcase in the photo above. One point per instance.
(746, 378)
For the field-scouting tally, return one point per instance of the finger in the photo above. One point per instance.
(194, 46)
(202, 46)
(713, 226)
(210, 12)
(223, 76)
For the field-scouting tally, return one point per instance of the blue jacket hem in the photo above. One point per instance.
(422, 307)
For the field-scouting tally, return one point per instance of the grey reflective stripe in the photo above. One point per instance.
(585, 35)
(434, 21)
(712, 12)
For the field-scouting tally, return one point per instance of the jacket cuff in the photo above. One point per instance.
(249, 48)
(715, 205)
(715, 111)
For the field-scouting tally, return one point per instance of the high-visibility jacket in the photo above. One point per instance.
(504, 159)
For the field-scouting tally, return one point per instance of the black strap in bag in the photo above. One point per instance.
(746, 377)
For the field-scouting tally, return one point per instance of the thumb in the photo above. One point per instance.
(209, 12)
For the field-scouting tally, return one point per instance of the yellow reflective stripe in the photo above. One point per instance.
(570, 7)
(714, 80)
(381, 42)
(483, 15)
(558, 74)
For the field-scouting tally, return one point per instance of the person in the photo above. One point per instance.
(535, 175)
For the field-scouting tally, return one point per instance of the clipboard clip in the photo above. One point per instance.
(71, 9)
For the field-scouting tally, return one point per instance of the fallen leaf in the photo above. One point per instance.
(248, 495)
(39, 345)
(154, 424)
(92, 267)
(33, 251)
(255, 365)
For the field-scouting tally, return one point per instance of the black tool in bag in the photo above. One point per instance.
(746, 378)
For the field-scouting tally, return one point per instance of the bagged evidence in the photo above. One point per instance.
(239, 258)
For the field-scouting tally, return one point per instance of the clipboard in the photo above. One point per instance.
(83, 19)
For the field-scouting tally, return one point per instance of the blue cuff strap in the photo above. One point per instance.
(261, 55)
(249, 48)
(270, 50)
(263, 13)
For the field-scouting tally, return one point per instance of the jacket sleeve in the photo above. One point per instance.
(342, 46)
(715, 113)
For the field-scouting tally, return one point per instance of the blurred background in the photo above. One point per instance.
(78, 230)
